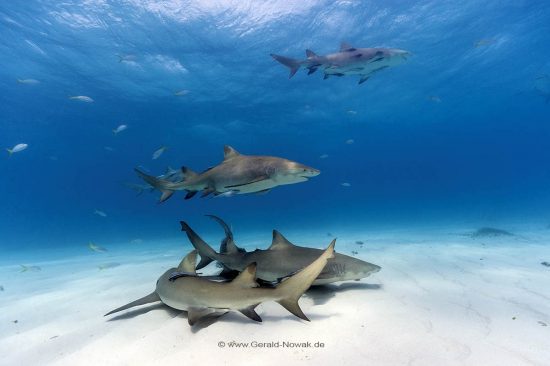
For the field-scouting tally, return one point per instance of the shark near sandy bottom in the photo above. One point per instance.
(349, 61)
(280, 260)
(237, 174)
(180, 288)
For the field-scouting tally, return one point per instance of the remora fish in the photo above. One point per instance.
(120, 129)
(349, 61)
(280, 260)
(181, 288)
(238, 173)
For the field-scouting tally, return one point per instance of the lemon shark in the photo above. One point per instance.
(236, 174)
(277, 262)
(348, 61)
(181, 288)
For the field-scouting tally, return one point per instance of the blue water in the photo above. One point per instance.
(457, 135)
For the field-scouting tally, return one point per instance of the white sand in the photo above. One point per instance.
(439, 300)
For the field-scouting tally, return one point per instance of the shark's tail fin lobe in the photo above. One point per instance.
(152, 297)
(291, 63)
(10, 151)
(23, 268)
(160, 184)
(227, 245)
(294, 287)
(206, 252)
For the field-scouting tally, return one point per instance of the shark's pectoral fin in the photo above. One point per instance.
(256, 180)
(311, 70)
(196, 314)
(363, 79)
(251, 313)
(326, 76)
(190, 194)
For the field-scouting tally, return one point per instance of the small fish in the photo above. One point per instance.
(546, 264)
(108, 148)
(82, 98)
(181, 93)
(329, 234)
(350, 141)
(159, 152)
(359, 242)
(17, 148)
(136, 241)
(96, 248)
(108, 265)
(484, 42)
(354, 252)
(126, 58)
(119, 129)
(1, 288)
(351, 112)
(29, 268)
(28, 81)
(434, 98)
(324, 156)
(100, 213)
(345, 184)
(542, 323)
(139, 188)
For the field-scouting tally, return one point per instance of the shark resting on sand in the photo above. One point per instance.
(349, 61)
(279, 261)
(180, 288)
(236, 174)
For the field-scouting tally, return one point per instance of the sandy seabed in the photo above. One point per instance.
(440, 299)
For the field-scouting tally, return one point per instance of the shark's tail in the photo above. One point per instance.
(152, 297)
(206, 252)
(291, 63)
(293, 288)
(228, 244)
(10, 151)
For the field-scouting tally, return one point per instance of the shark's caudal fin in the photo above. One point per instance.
(206, 252)
(293, 288)
(291, 63)
(227, 245)
(160, 184)
(152, 297)
(10, 151)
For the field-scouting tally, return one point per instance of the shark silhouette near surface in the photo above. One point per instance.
(348, 61)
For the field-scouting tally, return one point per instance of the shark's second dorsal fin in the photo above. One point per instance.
(188, 263)
(246, 278)
(280, 242)
(344, 46)
(310, 53)
(229, 152)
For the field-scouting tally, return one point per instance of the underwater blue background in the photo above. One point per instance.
(458, 136)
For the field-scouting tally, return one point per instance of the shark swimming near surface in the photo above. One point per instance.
(236, 174)
(181, 288)
(280, 260)
(348, 61)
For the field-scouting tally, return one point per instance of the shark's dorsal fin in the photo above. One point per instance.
(310, 53)
(280, 242)
(246, 278)
(188, 263)
(344, 46)
(229, 152)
